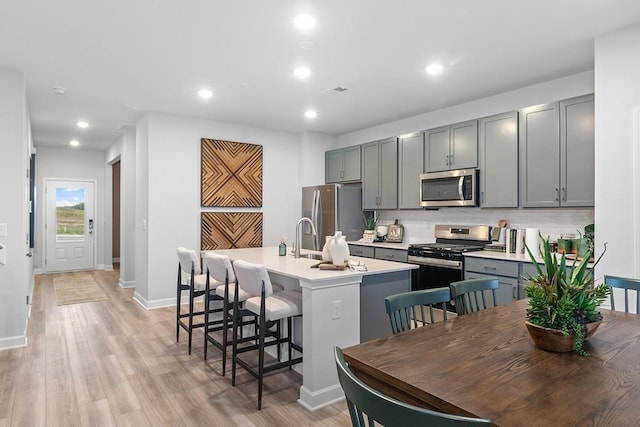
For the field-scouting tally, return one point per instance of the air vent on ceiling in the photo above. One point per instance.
(339, 89)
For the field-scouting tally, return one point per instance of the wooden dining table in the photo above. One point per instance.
(486, 365)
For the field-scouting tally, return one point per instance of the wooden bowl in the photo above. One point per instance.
(553, 339)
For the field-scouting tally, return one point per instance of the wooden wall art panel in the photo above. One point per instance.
(231, 174)
(230, 230)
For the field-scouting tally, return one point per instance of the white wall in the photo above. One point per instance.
(16, 272)
(312, 148)
(69, 164)
(617, 84)
(554, 90)
(124, 149)
(169, 148)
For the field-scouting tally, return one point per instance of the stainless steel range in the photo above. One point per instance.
(442, 262)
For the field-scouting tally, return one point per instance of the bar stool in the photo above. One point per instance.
(271, 307)
(190, 278)
(219, 273)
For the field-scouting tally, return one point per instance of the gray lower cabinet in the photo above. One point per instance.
(451, 147)
(498, 160)
(342, 165)
(410, 166)
(556, 154)
(398, 255)
(507, 273)
(380, 174)
(361, 251)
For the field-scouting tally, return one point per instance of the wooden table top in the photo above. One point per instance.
(485, 365)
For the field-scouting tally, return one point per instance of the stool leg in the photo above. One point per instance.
(225, 326)
(178, 296)
(289, 333)
(279, 334)
(190, 316)
(234, 348)
(261, 354)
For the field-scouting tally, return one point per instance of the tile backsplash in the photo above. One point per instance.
(419, 225)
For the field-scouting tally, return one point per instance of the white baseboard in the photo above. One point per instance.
(150, 305)
(108, 267)
(99, 267)
(127, 284)
(38, 271)
(13, 342)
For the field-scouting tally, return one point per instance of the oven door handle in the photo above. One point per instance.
(435, 262)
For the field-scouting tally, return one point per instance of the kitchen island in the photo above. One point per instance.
(335, 304)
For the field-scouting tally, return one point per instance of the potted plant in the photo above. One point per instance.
(369, 220)
(563, 308)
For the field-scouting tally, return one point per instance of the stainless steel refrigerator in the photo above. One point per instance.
(332, 207)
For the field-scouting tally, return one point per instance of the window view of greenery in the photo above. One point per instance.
(70, 211)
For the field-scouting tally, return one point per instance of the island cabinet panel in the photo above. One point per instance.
(410, 166)
(451, 147)
(498, 160)
(556, 154)
(380, 174)
(342, 165)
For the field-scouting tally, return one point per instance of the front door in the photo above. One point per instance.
(69, 225)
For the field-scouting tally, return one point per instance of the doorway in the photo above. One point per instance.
(69, 225)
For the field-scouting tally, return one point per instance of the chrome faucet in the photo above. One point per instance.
(298, 244)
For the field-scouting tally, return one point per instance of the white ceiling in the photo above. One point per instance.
(121, 58)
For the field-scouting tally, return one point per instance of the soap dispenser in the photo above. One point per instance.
(282, 248)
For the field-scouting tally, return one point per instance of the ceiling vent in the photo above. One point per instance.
(339, 89)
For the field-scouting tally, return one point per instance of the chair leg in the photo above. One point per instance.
(206, 320)
(225, 326)
(234, 347)
(289, 333)
(190, 317)
(279, 334)
(261, 358)
(179, 285)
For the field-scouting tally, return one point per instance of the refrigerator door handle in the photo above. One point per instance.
(315, 217)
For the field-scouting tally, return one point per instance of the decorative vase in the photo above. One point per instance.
(553, 340)
(326, 253)
(339, 249)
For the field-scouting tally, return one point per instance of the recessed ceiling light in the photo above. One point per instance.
(304, 22)
(306, 45)
(205, 93)
(82, 124)
(434, 69)
(310, 114)
(74, 143)
(59, 90)
(302, 72)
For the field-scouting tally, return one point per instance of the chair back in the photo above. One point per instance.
(219, 267)
(407, 310)
(627, 284)
(367, 405)
(472, 294)
(187, 261)
(251, 276)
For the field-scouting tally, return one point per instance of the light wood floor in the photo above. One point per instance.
(113, 363)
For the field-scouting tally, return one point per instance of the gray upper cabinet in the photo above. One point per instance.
(410, 155)
(577, 145)
(556, 154)
(451, 147)
(380, 175)
(498, 160)
(342, 165)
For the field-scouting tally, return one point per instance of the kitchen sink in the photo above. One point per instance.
(312, 256)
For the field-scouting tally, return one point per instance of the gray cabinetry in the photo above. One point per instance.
(380, 174)
(398, 255)
(506, 272)
(556, 154)
(361, 251)
(577, 145)
(342, 165)
(451, 147)
(410, 166)
(498, 160)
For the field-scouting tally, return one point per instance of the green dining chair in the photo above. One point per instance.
(627, 284)
(469, 295)
(407, 310)
(367, 405)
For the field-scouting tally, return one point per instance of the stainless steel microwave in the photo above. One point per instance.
(449, 188)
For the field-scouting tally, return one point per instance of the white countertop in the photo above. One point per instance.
(512, 257)
(387, 245)
(300, 268)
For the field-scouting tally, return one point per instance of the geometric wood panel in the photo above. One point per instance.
(231, 174)
(230, 230)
